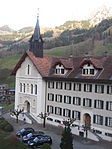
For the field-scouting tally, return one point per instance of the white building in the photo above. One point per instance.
(77, 87)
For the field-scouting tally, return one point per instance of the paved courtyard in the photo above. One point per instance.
(55, 133)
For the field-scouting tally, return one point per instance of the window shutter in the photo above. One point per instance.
(63, 112)
(60, 98)
(55, 110)
(70, 86)
(107, 89)
(52, 97)
(107, 103)
(48, 96)
(83, 101)
(94, 116)
(102, 103)
(69, 113)
(95, 88)
(64, 99)
(101, 120)
(47, 108)
(72, 114)
(102, 89)
(79, 101)
(84, 87)
(106, 119)
(79, 115)
(60, 111)
(79, 87)
(90, 87)
(56, 97)
(94, 103)
(65, 86)
(56, 85)
(90, 102)
(69, 99)
(52, 109)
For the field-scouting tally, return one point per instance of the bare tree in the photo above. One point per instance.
(16, 113)
(43, 116)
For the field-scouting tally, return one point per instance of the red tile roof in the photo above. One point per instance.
(46, 66)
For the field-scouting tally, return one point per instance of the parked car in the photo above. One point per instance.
(24, 131)
(31, 136)
(40, 140)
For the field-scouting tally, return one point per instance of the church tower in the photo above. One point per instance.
(36, 42)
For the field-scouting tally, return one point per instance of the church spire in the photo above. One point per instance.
(36, 42)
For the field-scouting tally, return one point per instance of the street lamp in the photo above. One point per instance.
(43, 116)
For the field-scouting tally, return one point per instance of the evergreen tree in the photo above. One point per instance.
(67, 139)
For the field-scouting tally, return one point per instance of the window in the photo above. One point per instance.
(108, 121)
(67, 112)
(35, 89)
(87, 102)
(77, 101)
(92, 71)
(58, 85)
(49, 119)
(108, 134)
(98, 104)
(76, 115)
(50, 84)
(58, 98)
(77, 87)
(24, 87)
(31, 88)
(87, 87)
(67, 86)
(67, 99)
(58, 121)
(50, 109)
(99, 88)
(20, 87)
(28, 70)
(98, 119)
(50, 96)
(109, 89)
(58, 111)
(109, 105)
(88, 70)
(60, 69)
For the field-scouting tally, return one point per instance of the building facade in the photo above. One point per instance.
(77, 87)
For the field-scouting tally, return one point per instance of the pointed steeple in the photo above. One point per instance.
(36, 42)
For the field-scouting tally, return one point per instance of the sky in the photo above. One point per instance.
(22, 13)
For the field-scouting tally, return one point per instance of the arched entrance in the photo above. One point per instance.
(87, 120)
(26, 106)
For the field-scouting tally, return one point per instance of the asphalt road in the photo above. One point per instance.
(55, 133)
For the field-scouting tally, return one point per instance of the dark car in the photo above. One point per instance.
(40, 140)
(31, 136)
(24, 131)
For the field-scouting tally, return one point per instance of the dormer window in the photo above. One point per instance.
(60, 69)
(88, 69)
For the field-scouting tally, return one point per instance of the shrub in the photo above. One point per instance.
(46, 146)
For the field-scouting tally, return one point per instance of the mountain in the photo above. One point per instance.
(6, 28)
(99, 15)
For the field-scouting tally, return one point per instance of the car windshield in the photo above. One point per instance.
(22, 130)
(29, 135)
(36, 139)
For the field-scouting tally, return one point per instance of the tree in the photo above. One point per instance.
(46, 146)
(43, 116)
(16, 113)
(67, 139)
